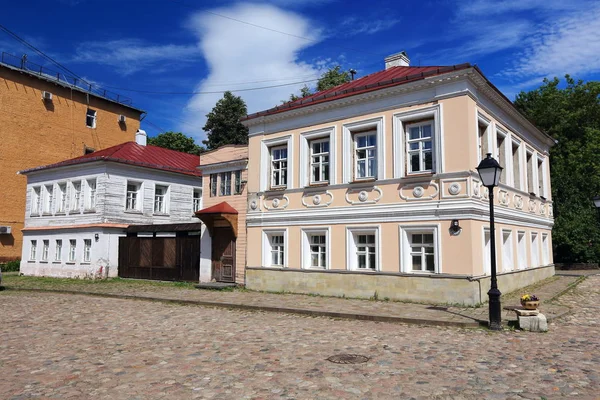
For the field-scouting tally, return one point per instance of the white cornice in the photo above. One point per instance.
(224, 166)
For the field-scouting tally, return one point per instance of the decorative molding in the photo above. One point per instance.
(418, 192)
(518, 201)
(363, 196)
(503, 197)
(276, 203)
(317, 199)
(532, 206)
(454, 188)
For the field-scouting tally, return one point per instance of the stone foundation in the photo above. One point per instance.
(433, 289)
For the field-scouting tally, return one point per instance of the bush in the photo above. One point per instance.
(11, 266)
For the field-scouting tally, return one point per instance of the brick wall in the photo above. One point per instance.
(35, 132)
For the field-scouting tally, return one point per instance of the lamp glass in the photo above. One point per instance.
(596, 200)
(489, 171)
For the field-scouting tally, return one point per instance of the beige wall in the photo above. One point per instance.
(36, 133)
(222, 155)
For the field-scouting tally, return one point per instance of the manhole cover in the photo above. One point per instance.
(348, 359)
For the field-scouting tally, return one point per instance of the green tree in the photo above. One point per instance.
(571, 115)
(331, 78)
(176, 141)
(223, 124)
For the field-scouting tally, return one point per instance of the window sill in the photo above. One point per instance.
(46, 214)
(34, 215)
(60, 213)
(70, 263)
(420, 174)
(43, 262)
(56, 262)
(368, 270)
(31, 261)
(160, 214)
(317, 184)
(364, 180)
(89, 211)
(85, 263)
(133, 212)
(277, 188)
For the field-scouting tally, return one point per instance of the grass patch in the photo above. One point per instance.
(37, 282)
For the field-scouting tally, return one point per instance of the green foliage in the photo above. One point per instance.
(331, 78)
(572, 116)
(11, 266)
(176, 141)
(223, 124)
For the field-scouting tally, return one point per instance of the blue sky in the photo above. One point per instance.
(188, 46)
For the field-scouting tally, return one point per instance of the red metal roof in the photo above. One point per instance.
(221, 208)
(134, 154)
(393, 76)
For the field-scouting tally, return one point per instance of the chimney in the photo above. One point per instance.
(140, 137)
(397, 60)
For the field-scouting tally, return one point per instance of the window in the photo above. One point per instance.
(90, 118)
(530, 181)
(501, 141)
(133, 202)
(422, 252)
(58, 250)
(33, 250)
(507, 251)
(419, 147)
(87, 250)
(535, 250)
(318, 251)
(213, 185)
(197, 200)
(540, 173)
(225, 189)
(160, 199)
(277, 250)
(545, 249)
(319, 161)
(363, 253)
(61, 198)
(482, 131)
(521, 249)
(274, 245)
(75, 196)
(516, 163)
(36, 202)
(45, 249)
(238, 182)
(365, 155)
(72, 249)
(90, 194)
(279, 166)
(48, 198)
(487, 269)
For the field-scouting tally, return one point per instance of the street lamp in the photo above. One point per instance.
(596, 200)
(489, 172)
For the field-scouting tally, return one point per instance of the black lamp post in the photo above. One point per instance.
(489, 172)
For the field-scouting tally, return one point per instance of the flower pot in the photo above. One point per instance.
(530, 305)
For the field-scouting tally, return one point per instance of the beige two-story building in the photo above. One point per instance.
(370, 189)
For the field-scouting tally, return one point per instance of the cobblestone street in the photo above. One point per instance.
(62, 346)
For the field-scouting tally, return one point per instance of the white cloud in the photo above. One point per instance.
(489, 8)
(237, 53)
(568, 44)
(357, 25)
(131, 55)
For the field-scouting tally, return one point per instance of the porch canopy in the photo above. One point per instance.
(221, 214)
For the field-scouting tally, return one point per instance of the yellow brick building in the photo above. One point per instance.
(46, 118)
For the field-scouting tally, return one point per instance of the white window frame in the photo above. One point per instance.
(265, 164)
(351, 246)
(521, 250)
(61, 197)
(272, 183)
(545, 249)
(400, 122)
(534, 184)
(321, 164)
(420, 150)
(32, 250)
(486, 250)
(213, 183)
(36, 201)
(267, 248)
(237, 182)
(544, 191)
(48, 200)
(45, 250)
(163, 199)
(348, 154)
(306, 247)
(87, 250)
(406, 249)
(139, 198)
(93, 114)
(75, 197)
(518, 143)
(483, 120)
(91, 194)
(72, 250)
(225, 186)
(507, 250)
(506, 164)
(368, 147)
(196, 200)
(305, 154)
(58, 250)
(534, 249)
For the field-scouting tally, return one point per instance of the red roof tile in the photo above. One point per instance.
(393, 76)
(221, 208)
(134, 154)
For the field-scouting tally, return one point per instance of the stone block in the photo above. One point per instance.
(526, 313)
(533, 323)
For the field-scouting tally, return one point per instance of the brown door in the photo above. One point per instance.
(223, 255)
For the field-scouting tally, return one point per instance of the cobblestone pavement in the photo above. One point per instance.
(59, 346)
